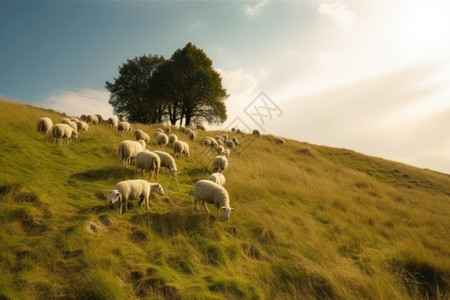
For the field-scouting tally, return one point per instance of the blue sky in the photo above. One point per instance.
(372, 76)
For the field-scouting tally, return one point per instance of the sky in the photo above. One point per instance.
(368, 75)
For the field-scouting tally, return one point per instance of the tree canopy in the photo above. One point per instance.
(151, 89)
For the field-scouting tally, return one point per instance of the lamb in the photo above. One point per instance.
(129, 149)
(141, 135)
(168, 162)
(133, 190)
(220, 164)
(124, 127)
(218, 178)
(206, 191)
(92, 119)
(63, 132)
(180, 148)
(279, 140)
(172, 139)
(148, 161)
(162, 139)
(44, 125)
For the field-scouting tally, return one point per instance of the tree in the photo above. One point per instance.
(195, 89)
(132, 93)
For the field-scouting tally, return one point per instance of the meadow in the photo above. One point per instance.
(310, 222)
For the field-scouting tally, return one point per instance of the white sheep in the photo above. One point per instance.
(256, 133)
(180, 148)
(63, 132)
(192, 135)
(44, 125)
(70, 123)
(112, 122)
(168, 162)
(82, 126)
(92, 119)
(220, 164)
(158, 131)
(133, 190)
(279, 140)
(129, 149)
(162, 139)
(218, 178)
(124, 127)
(230, 144)
(226, 152)
(220, 150)
(172, 139)
(235, 140)
(209, 141)
(206, 191)
(141, 135)
(148, 161)
(200, 127)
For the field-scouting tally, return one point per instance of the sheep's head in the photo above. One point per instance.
(157, 188)
(114, 196)
(226, 210)
(173, 171)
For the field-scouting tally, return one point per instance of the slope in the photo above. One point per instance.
(310, 222)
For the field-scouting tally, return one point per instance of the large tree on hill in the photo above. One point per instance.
(192, 88)
(186, 87)
(132, 93)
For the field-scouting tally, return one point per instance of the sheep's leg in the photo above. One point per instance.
(146, 202)
(206, 208)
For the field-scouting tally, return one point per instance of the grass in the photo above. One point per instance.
(310, 222)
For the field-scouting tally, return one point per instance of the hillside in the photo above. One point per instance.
(310, 222)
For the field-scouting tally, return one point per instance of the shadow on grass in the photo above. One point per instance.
(116, 173)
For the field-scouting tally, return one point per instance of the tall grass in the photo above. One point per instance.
(310, 222)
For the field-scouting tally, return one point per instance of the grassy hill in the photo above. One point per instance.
(310, 222)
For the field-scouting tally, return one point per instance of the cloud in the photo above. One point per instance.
(255, 9)
(78, 102)
(338, 11)
(196, 25)
(238, 82)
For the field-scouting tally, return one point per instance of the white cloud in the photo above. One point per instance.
(338, 11)
(78, 102)
(255, 9)
(238, 82)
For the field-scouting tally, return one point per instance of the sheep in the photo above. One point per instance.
(129, 149)
(230, 144)
(219, 138)
(279, 140)
(148, 161)
(168, 162)
(238, 131)
(207, 142)
(63, 132)
(113, 122)
(70, 123)
(226, 152)
(162, 140)
(92, 119)
(44, 125)
(256, 133)
(235, 140)
(180, 148)
(220, 164)
(83, 117)
(141, 135)
(200, 127)
(82, 126)
(99, 117)
(172, 139)
(158, 131)
(124, 127)
(133, 190)
(192, 135)
(218, 178)
(220, 150)
(206, 191)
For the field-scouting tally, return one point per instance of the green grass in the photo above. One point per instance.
(310, 222)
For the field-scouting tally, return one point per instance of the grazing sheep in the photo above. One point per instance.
(233, 129)
(180, 148)
(82, 126)
(70, 123)
(99, 118)
(192, 135)
(129, 149)
(256, 133)
(235, 140)
(112, 122)
(220, 164)
(230, 144)
(133, 190)
(218, 178)
(124, 127)
(148, 161)
(200, 127)
(219, 138)
(279, 140)
(83, 117)
(238, 131)
(141, 135)
(44, 125)
(63, 132)
(206, 191)
(226, 152)
(207, 142)
(187, 131)
(92, 119)
(182, 129)
(220, 150)
(162, 140)
(168, 162)
(172, 139)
